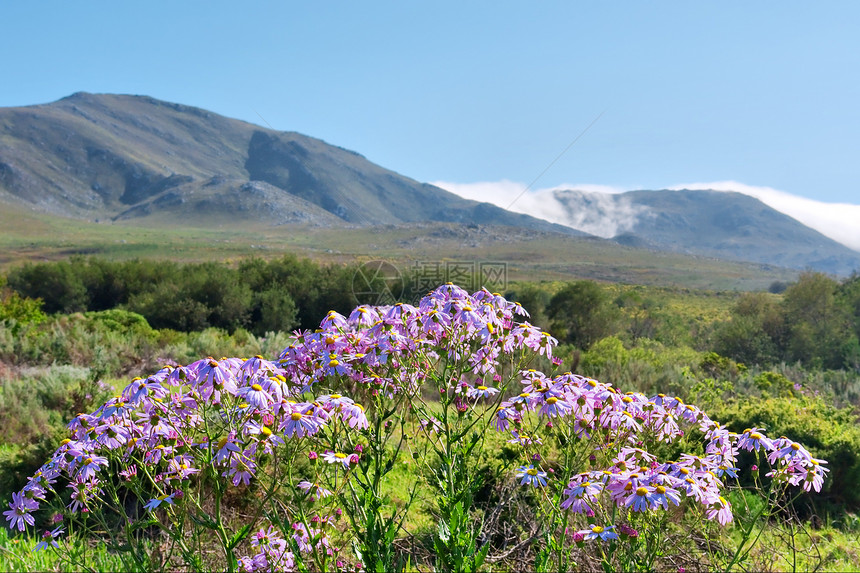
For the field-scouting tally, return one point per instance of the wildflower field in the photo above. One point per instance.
(442, 436)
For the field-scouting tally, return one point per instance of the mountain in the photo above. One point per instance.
(720, 224)
(138, 160)
(116, 157)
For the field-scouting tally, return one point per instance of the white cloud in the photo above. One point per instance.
(839, 221)
(604, 218)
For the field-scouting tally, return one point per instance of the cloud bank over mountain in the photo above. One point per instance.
(606, 218)
(839, 221)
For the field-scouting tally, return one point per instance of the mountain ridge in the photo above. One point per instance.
(132, 158)
(730, 225)
(107, 156)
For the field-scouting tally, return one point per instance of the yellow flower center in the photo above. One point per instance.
(256, 388)
(642, 491)
(532, 471)
(339, 455)
(597, 529)
(335, 396)
(551, 400)
(482, 388)
(660, 489)
(295, 416)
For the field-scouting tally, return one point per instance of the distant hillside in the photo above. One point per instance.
(110, 157)
(134, 158)
(725, 225)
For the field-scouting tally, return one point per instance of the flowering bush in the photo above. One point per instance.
(283, 464)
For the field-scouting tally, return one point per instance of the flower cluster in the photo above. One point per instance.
(634, 478)
(226, 417)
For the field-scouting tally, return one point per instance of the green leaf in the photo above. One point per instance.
(481, 555)
(239, 536)
(444, 531)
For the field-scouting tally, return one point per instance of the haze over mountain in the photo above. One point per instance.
(122, 157)
(717, 223)
(723, 224)
(109, 157)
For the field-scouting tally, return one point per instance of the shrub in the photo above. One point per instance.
(214, 452)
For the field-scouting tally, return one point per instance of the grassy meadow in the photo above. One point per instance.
(530, 256)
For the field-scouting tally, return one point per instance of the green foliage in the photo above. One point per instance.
(712, 364)
(774, 384)
(119, 343)
(581, 313)
(262, 296)
(533, 297)
(829, 433)
(40, 400)
(646, 365)
(16, 554)
(18, 311)
(818, 325)
(816, 322)
(57, 284)
(34, 409)
(756, 331)
(455, 542)
(195, 298)
(300, 290)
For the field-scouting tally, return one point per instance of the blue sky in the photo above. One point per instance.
(761, 94)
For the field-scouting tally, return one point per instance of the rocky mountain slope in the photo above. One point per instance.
(110, 157)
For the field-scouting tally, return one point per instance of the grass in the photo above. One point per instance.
(28, 236)
(16, 554)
